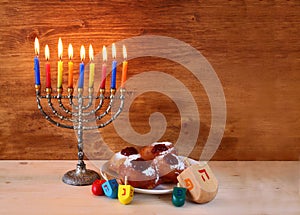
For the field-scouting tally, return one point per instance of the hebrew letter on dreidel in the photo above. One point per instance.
(202, 176)
(188, 184)
(200, 182)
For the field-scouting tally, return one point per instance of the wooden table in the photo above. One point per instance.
(35, 187)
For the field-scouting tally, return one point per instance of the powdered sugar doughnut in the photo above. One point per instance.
(155, 149)
(140, 173)
(169, 166)
(120, 157)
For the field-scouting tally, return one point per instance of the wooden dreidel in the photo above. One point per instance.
(178, 196)
(125, 193)
(200, 181)
(110, 188)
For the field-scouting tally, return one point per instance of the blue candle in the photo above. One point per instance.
(114, 68)
(113, 74)
(81, 75)
(36, 62)
(81, 68)
(37, 70)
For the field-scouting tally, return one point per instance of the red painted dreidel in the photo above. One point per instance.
(178, 196)
(200, 181)
(97, 189)
(125, 193)
(110, 188)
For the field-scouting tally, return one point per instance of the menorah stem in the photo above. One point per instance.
(80, 129)
(81, 175)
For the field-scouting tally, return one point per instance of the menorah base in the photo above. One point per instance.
(80, 176)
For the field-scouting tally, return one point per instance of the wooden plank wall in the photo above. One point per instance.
(253, 46)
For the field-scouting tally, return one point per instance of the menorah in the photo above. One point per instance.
(80, 117)
(80, 112)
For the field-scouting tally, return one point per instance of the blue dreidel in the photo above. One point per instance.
(110, 188)
(125, 193)
(178, 196)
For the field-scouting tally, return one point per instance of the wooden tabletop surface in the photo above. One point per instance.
(246, 187)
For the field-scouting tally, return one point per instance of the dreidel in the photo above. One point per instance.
(110, 188)
(125, 193)
(200, 182)
(178, 196)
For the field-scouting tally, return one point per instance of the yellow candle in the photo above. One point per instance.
(92, 67)
(59, 65)
(70, 67)
(124, 68)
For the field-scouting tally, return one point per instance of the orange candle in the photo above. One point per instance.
(124, 69)
(70, 66)
(48, 75)
(60, 64)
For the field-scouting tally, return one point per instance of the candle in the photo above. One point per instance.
(70, 66)
(48, 75)
(36, 62)
(124, 69)
(92, 67)
(114, 68)
(60, 64)
(81, 68)
(103, 78)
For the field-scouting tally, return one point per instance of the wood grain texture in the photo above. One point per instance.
(39, 183)
(253, 46)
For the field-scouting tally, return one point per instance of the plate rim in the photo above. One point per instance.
(147, 191)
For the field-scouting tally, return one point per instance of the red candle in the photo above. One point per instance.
(103, 77)
(48, 76)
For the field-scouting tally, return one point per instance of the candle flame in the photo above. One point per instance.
(124, 52)
(60, 48)
(114, 51)
(36, 46)
(82, 53)
(91, 53)
(70, 51)
(104, 54)
(47, 52)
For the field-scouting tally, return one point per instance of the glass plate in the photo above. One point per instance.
(108, 174)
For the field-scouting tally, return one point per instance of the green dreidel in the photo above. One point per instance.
(110, 188)
(178, 196)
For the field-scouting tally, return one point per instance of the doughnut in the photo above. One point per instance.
(140, 173)
(119, 157)
(150, 166)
